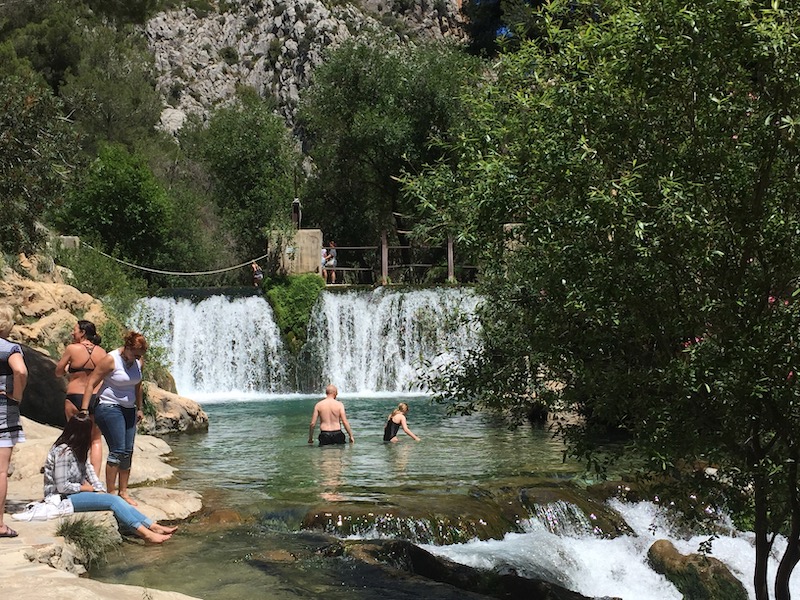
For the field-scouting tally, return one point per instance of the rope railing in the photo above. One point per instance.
(179, 273)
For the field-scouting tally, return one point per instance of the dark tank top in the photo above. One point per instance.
(390, 430)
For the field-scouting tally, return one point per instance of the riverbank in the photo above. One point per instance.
(38, 564)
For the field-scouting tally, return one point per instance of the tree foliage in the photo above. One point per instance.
(34, 158)
(47, 34)
(648, 161)
(368, 116)
(120, 205)
(252, 161)
(111, 90)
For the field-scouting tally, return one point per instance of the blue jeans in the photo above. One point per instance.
(118, 426)
(124, 512)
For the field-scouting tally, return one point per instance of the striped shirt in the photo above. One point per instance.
(6, 374)
(64, 474)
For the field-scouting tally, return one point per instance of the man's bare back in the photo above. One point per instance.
(331, 415)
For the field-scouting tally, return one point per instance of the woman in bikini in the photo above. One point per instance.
(79, 361)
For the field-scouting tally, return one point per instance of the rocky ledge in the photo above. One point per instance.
(40, 565)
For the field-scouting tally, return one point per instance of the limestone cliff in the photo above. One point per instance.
(272, 46)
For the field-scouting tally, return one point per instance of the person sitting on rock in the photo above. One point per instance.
(67, 472)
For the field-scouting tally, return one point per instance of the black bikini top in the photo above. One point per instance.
(84, 368)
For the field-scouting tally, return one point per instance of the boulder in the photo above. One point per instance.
(173, 413)
(43, 400)
(404, 556)
(696, 576)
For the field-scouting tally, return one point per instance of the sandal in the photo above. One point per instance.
(9, 533)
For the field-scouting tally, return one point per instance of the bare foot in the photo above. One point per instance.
(163, 529)
(152, 537)
(129, 500)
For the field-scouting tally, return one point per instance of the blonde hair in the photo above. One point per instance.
(6, 319)
(401, 408)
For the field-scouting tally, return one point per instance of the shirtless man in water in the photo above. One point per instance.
(330, 412)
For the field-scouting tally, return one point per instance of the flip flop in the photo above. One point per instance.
(9, 533)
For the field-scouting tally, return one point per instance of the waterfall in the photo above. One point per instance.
(363, 342)
(385, 340)
(218, 345)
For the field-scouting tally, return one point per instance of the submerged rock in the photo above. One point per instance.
(478, 513)
(405, 556)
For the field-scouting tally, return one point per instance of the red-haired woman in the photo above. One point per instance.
(119, 407)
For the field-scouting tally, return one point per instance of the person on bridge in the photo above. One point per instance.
(330, 413)
(258, 274)
(329, 263)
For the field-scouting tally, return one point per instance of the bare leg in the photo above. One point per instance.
(111, 477)
(124, 475)
(69, 410)
(152, 536)
(333, 277)
(96, 449)
(5, 460)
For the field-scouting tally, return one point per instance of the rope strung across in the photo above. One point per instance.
(159, 271)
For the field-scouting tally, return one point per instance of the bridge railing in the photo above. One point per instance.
(385, 264)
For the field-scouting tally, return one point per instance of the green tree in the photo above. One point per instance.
(35, 158)
(111, 91)
(47, 34)
(648, 161)
(368, 117)
(120, 205)
(252, 160)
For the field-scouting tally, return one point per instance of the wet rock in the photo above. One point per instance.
(696, 576)
(223, 516)
(480, 513)
(450, 519)
(406, 557)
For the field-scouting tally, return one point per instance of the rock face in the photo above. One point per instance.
(272, 46)
(696, 576)
(405, 556)
(47, 303)
(43, 400)
(173, 413)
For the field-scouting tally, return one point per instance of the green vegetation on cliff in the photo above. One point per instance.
(292, 299)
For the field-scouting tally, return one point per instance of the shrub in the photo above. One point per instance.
(292, 300)
(229, 55)
(91, 538)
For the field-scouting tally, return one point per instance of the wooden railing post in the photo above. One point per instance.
(384, 259)
(451, 269)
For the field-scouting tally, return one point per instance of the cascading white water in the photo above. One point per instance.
(384, 340)
(363, 342)
(600, 567)
(217, 345)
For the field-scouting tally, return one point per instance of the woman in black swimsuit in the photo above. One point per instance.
(397, 421)
(79, 360)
